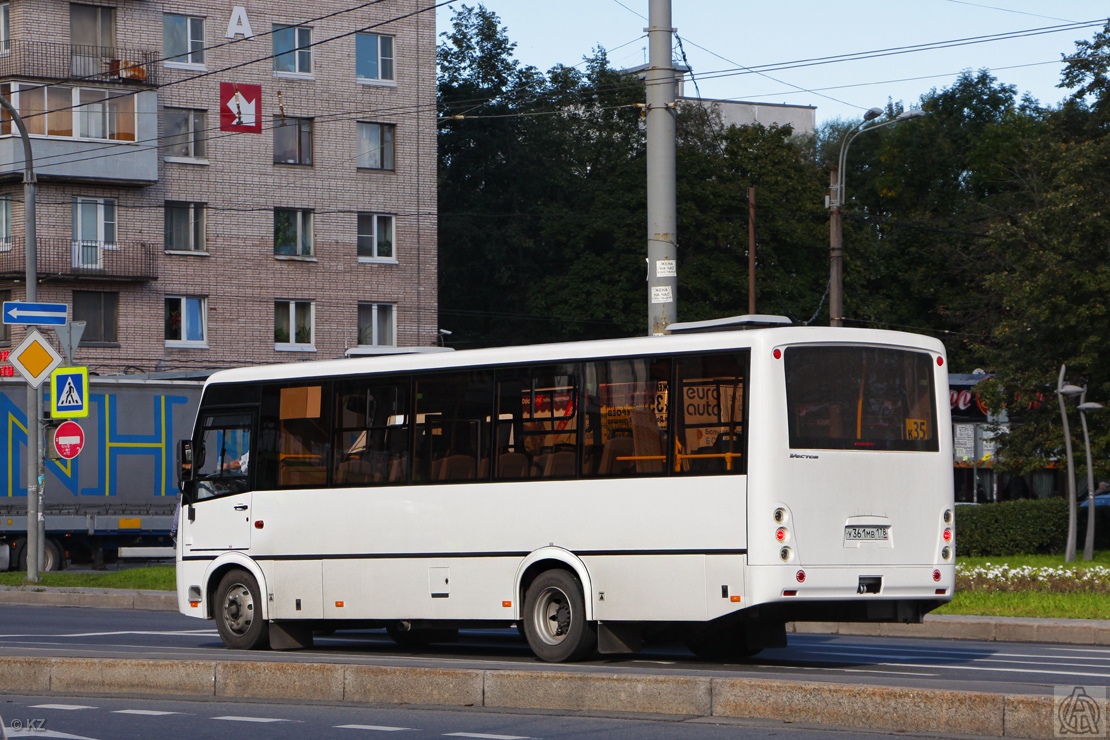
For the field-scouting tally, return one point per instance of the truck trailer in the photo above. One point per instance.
(120, 491)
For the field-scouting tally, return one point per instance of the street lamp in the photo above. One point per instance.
(1067, 390)
(1089, 543)
(836, 201)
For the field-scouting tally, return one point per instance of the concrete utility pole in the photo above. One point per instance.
(661, 209)
(34, 395)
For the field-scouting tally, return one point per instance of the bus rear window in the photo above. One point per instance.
(860, 398)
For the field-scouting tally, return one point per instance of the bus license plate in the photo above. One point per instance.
(857, 532)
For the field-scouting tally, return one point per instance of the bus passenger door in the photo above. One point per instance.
(218, 506)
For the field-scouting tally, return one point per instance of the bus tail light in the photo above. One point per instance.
(789, 592)
(800, 576)
(946, 553)
(781, 534)
(786, 554)
(942, 592)
(947, 534)
(936, 575)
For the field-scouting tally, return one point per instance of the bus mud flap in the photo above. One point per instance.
(290, 636)
(618, 637)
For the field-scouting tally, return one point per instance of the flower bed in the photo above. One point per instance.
(1059, 579)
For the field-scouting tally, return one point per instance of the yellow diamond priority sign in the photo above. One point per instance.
(35, 358)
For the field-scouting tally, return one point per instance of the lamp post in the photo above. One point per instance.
(836, 202)
(1089, 542)
(1066, 390)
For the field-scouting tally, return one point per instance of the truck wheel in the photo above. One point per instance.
(555, 618)
(238, 612)
(52, 558)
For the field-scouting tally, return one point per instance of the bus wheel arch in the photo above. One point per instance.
(549, 558)
(220, 568)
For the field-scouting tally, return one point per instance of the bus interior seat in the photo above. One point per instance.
(616, 447)
(560, 464)
(648, 440)
(513, 465)
(456, 467)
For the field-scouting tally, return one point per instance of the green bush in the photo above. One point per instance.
(1027, 527)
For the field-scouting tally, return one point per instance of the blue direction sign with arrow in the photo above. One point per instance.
(41, 314)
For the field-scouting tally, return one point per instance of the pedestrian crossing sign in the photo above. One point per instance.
(69, 393)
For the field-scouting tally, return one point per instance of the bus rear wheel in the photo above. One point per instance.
(555, 619)
(239, 612)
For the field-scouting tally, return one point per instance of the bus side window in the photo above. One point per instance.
(453, 426)
(710, 435)
(298, 443)
(628, 429)
(371, 434)
(222, 460)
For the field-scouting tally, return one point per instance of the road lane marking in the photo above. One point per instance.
(144, 712)
(372, 728)
(487, 737)
(232, 718)
(66, 707)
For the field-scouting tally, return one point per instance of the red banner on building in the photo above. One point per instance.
(240, 108)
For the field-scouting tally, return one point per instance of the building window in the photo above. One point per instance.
(375, 324)
(94, 230)
(292, 49)
(294, 325)
(375, 146)
(186, 136)
(292, 140)
(5, 28)
(100, 312)
(5, 223)
(375, 236)
(186, 321)
(101, 115)
(373, 57)
(292, 232)
(185, 227)
(182, 39)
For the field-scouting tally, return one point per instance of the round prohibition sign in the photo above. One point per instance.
(69, 439)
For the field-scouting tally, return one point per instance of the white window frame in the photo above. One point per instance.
(197, 132)
(292, 345)
(374, 236)
(384, 151)
(198, 227)
(86, 246)
(103, 112)
(304, 226)
(194, 39)
(183, 302)
(5, 28)
(5, 223)
(375, 319)
(302, 45)
(381, 61)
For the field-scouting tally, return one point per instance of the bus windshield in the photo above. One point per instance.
(860, 398)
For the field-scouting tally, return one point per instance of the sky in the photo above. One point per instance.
(729, 44)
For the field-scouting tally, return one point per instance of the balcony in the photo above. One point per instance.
(96, 64)
(66, 259)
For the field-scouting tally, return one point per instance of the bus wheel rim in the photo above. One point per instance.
(238, 609)
(553, 616)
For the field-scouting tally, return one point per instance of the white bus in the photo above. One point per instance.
(712, 486)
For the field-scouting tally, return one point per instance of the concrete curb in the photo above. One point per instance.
(873, 707)
(988, 629)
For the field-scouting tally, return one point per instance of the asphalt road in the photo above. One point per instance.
(997, 667)
(124, 719)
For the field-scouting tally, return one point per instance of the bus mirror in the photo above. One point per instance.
(185, 461)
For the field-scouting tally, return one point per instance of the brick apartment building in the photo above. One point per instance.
(221, 184)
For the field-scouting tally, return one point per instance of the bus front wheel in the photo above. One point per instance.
(555, 618)
(239, 612)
